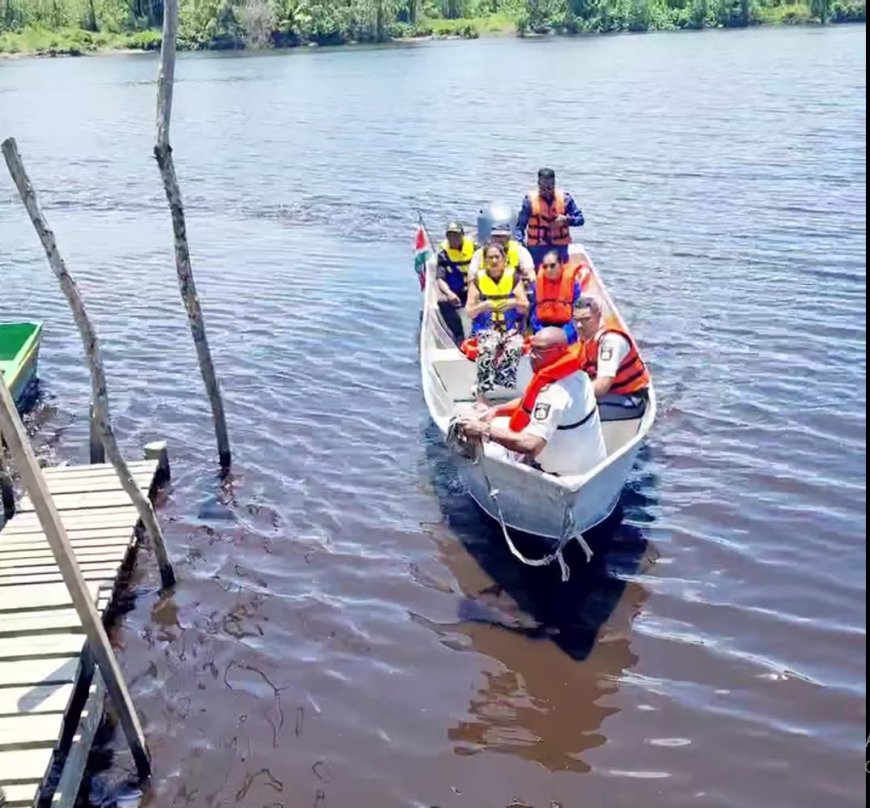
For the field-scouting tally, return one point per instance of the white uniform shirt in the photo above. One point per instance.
(558, 408)
(612, 350)
(527, 263)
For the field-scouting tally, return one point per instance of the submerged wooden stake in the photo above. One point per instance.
(163, 153)
(7, 492)
(99, 395)
(50, 521)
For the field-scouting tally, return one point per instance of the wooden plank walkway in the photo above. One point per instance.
(49, 692)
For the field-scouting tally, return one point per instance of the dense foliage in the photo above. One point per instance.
(82, 25)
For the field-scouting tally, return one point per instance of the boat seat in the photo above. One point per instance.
(458, 375)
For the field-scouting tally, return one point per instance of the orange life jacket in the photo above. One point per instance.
(563, 367)
(554, 300)
(540, 229)
(632, 374)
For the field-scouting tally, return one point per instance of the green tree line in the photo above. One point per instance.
(82, 25)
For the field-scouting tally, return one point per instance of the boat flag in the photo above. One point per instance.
(422, 253)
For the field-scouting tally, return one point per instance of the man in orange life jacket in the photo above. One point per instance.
(610, 356)
(555, 426)
(545, 217)
(554, 295)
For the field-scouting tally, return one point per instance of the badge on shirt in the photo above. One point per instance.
(606, 353)
(542, 412)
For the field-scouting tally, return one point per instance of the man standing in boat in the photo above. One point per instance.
(555, 426)
(546, 216)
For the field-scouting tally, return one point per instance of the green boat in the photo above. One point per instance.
(19, 355)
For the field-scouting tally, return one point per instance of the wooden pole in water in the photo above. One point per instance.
(163, 153)
(99, 394)
(50, 521)
(7, 492)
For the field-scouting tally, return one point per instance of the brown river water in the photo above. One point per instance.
(348, 631)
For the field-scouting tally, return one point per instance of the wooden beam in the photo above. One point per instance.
(98, 642)
(186, 283)
(99, 394)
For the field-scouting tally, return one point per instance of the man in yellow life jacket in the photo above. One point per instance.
(454, 258)
(555, 426)
(610, 356)
(546, 216)
(496, 223)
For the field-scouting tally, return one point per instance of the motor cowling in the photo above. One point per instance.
(493, 216)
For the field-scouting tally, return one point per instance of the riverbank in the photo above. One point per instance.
(39, 41)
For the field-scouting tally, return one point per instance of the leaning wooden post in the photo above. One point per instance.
(96, 450)
(99, 394)
(52, 526)
(163, 153)
(7, 492)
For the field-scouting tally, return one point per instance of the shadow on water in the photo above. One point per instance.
(560, 649)
(569, 614)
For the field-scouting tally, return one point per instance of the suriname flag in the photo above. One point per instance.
(422, 253)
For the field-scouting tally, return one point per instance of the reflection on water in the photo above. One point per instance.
(348, 631)
(548, 702)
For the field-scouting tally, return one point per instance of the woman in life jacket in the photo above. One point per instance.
(497, 304)
(554, 295)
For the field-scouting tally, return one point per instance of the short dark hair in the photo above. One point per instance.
(553, 254)
(546, 174)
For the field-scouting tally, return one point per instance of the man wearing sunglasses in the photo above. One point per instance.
(555, 426)
(554, 295)
(610, 356)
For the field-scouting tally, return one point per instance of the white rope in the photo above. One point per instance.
(472, 450)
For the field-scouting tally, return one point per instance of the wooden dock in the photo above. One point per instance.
(51, 695)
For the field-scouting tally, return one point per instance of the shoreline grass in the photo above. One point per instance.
(39, 41)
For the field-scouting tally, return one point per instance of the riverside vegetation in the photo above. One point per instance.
(81, 26)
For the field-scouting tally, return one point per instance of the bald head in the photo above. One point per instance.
(548, 345)
(550, 337)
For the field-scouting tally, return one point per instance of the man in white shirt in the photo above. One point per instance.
(563, 435)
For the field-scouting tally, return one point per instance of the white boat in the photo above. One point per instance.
(528, 500)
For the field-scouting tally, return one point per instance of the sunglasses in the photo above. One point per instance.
(539, 351)
(549, 266)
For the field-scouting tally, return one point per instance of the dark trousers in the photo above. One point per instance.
(450, 315)
(616, 407)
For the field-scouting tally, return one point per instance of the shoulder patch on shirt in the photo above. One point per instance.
(542, 412)
(606, 353)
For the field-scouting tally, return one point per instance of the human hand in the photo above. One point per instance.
(561, 219)
(454, 300)
(488, 414)
(473, 427)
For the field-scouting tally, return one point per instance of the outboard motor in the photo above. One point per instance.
(495, 215)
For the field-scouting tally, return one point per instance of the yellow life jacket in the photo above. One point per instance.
(498, 293)
(457, 263)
